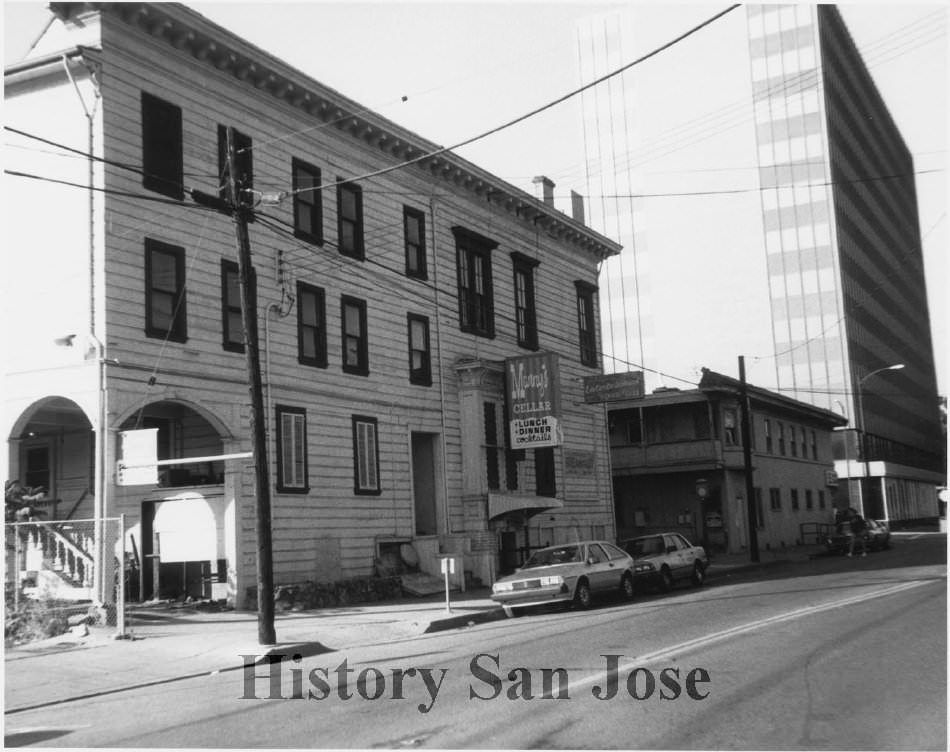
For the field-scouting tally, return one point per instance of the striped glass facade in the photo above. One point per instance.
(846, 277)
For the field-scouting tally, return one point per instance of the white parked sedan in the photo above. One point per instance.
(664, 558)
(570, 573)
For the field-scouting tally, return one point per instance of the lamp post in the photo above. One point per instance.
(847, 452)
(864, 437)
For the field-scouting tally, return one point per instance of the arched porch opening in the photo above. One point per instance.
(53, 446)
(181, 530)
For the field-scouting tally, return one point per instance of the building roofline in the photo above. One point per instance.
(192, 33)
(712, 381)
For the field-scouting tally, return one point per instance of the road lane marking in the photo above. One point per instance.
(705, 640)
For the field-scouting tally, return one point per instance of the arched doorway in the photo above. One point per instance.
(53, 446)
(181, 539)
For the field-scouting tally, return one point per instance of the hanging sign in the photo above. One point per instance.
(613, 387)
(138, 448)
(532, 386)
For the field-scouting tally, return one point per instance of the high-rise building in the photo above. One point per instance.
(846, 277)
(843, 274)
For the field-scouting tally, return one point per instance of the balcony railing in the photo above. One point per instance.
(670, 454)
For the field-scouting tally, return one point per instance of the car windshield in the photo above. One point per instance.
(645, 546)
(558, 555)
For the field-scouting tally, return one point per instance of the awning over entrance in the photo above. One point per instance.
(520, 505)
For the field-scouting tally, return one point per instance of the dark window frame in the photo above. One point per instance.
(587, 323)
(526, 312)
(358, 251)
(512, 456)
(362, 367)
(492, 446)
(473, 270)
(358, 488)
(316, 333)
(162, 147)
(305, 197)
(282, 482)
(228, 307)
(730, 426)
(178, 329)
(416, 260)
(421, 376)
(545, 472)
(775, 499)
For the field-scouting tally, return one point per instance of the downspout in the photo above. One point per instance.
(438, 340)
(90, 117)
(99, 472)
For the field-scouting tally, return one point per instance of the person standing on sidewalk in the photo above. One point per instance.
(856, 526)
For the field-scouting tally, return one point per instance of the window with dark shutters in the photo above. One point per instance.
(162, 166)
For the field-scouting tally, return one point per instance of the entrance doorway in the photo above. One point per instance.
(424, 483)
(175, 566)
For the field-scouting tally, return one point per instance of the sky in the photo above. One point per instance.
(453, 70)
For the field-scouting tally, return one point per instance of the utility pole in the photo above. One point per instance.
(265, 571)
(747, 459)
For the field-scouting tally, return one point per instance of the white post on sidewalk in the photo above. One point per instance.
(448, 567)
(120, 599)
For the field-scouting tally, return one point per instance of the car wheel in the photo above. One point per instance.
(666, 579)
(699, 575)
(626, 587)
(582, 595)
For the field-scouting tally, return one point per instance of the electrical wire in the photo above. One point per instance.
(672, 138)
(285, 232)
(526, 116)
(372, 191)
(108, 191)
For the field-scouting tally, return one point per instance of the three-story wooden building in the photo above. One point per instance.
(396, 283)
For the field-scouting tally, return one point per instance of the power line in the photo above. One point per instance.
(671, 194)
(273, 224)
(109, 191)
(526, 116)
(668, 140)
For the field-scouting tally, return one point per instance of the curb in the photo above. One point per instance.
(304, 649)
(727, 569)
(465, 620)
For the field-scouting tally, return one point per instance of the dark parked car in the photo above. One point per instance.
(877, 536)
(662, 559)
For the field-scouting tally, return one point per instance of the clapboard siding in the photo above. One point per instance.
(330, 516)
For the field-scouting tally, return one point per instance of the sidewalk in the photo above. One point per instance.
(171, 643)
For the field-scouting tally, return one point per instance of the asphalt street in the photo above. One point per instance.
(834, 653)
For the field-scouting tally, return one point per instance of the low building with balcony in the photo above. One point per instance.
(678, 464)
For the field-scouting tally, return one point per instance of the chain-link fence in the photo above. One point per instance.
(64, 573)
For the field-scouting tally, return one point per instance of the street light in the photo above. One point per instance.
(864, 436)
